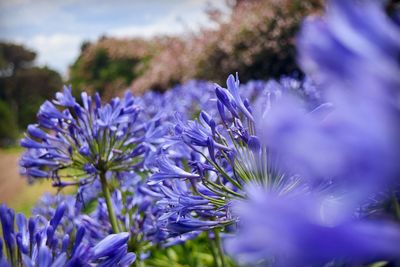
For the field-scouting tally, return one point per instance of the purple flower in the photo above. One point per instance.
(304, 230)
(178, 200)
(344, 35)
(193, 133)
(65, 99)
(179, 226)
(168, 170)
(109, 245)
(48, 111)
(233, 87)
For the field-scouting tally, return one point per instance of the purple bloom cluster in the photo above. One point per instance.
(225, 154)
(41, 242)
(73, 143)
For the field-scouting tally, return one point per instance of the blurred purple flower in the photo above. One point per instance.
(355, 142)
(301, 230)
(346, 149)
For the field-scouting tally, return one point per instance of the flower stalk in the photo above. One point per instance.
(110, 208)
(213, 248)
(219, 247)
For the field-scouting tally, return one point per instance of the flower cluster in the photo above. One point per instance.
(226, 154)
(329, 146)
(73, 143)
(40, 242)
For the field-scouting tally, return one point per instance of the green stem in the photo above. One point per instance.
(396, 206)
(110, 208)
(137, 262)
(219, 247)
(213, 251)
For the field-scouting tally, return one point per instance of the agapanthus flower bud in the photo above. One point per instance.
(110, 244)
(233, 87)
(227, 100)
(23, 234)
(221, 111)
(65, 98)
(58, 215)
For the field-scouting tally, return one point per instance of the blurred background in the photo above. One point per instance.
(111, 46)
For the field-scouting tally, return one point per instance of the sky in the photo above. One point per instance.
(55, 29)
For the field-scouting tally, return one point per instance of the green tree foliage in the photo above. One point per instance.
(23, 88)
(110, 65)
(8, 126)
(13, 56)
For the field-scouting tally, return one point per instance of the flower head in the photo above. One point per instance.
(74, 143)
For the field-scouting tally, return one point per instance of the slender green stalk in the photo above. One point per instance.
(396, 206)
(213, 251)
(219, 247)
(133, 246)
(10, 255)
(110, 208)
(138, 262)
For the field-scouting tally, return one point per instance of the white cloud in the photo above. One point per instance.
(168, 26)
(181, 19)
(56, 51)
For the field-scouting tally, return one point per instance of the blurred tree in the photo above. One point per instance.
(8, 126)
(23, 88)
(110, 65)
(14, 57)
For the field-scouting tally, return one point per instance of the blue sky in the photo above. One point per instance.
(56, 28)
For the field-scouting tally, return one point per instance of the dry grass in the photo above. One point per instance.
(14, 189)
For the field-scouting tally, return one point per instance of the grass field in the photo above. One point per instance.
(14, 189)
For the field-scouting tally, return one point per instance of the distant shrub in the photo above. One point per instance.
(257, 39)
(110, 65)
(29, 88)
